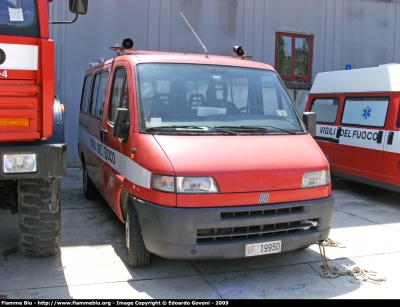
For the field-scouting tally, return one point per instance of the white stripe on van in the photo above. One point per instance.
(121, 163)
(20, 57)
(361, 137)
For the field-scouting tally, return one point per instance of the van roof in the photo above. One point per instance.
(384, 78)
(144, 56)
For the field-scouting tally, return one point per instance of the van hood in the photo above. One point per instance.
(245, 163)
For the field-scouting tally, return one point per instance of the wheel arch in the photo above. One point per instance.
(123, 201)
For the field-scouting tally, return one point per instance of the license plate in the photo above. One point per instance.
(263, 248)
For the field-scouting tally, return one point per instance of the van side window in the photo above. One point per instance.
(119, 93)
(365, 111)
(85, 94)
(98, 94)
(326, 109)
(398, 119)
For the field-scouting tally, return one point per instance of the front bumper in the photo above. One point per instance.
(223, 232)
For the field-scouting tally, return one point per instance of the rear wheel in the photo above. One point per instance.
(39, 219)
(89, 190)
(136, 253)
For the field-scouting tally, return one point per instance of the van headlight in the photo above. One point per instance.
(184, 184)
(19, 163)
(315, 179)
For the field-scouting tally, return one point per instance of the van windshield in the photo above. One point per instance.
(194, 98)
(19, 18)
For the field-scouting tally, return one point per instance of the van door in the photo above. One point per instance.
(392, 146)
(95, 155)
(117, 151)
(361, 136)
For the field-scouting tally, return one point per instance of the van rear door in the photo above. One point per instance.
(392, 145)
(96, 110)
(363, 133)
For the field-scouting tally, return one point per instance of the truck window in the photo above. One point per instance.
(326, 109)
(98, 94)
(85, 94)
(212, 95)
(119, 90)
(365, 111)
(19, 18)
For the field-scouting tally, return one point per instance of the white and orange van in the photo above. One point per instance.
(201, 156)
(358, 123)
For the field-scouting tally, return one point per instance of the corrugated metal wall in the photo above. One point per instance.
(362, 33)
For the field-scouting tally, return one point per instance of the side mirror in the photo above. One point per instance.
(121, 124)
(78, 6)
(310, 120)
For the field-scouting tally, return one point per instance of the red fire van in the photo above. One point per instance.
(201, 156)
(358, 123)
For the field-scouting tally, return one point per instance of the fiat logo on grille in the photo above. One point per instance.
(263, 198)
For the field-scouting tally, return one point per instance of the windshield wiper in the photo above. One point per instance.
(190, 127)
(172, 127)
(264, 128)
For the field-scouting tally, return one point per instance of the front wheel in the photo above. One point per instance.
(89, 190)
(136, 253)
(39, 219)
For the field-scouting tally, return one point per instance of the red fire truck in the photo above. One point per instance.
(32, 144)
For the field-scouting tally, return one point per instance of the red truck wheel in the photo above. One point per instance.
(39, 228)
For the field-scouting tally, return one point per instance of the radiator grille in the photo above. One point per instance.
(268, 212)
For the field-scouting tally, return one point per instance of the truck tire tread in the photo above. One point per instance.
(40, 229)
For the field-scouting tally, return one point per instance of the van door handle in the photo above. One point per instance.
(379, 137)
(338, 131)
(103, 136)
(390, 138)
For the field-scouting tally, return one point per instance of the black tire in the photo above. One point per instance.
(89, 189)
(39, 228)
(136, 253)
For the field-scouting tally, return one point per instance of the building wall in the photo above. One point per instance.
(362, 33)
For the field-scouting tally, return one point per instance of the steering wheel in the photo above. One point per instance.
(250, 108)
(7, 3)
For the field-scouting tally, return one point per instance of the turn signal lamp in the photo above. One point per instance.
(14, 122)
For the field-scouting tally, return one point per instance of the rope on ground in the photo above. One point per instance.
(359, 275)
(330, 242)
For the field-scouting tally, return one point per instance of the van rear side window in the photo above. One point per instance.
(365, 111)
(326, 109)
(98, 94)
(86, 94)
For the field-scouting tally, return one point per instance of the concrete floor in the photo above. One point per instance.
(91, 263)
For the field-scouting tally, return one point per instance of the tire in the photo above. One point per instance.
(136, 253)
(89, 189)
(39, 228)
